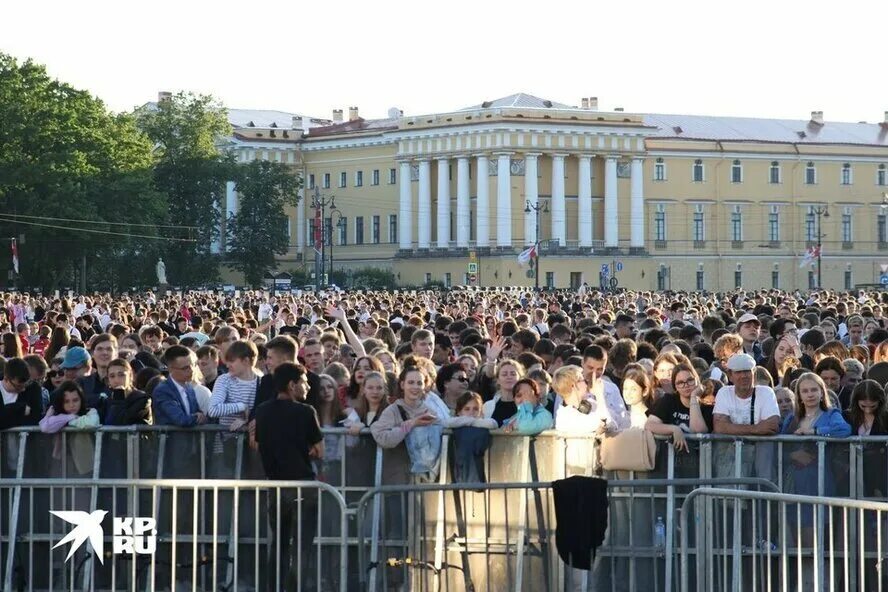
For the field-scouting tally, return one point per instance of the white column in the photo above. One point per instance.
(503, 200)
(636, 194)
(300, 220)
(405, 212)
(230, 203)
(482, 207)
(531, 194)
(559, 220)
(584, 201)
(463, 218)
(424, 210)
(611, 221)
(443, 203)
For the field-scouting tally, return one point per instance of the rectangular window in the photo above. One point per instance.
(881, 177)
(393, 228)
(343, 230)
(846, 175)
(359, 178)
(882, 228)
(359, 230)
(393, 176)
(699, 230)
(775, 280)
(550, 280)
(736, 172)
(326, 180)
(447, 280)
(846, 228)
(659, 170)
(343, 179)
(375, 234)
(428, 278)
(810, 226)
(661, 279)
(311, 181)
(736, 226)
(847, 279)
(700, 281)
(738, 279)
(660, 224)
(774, 175)
(698, 171)
(774, 227)
(810, 175)
(312, 234)
(374, 180)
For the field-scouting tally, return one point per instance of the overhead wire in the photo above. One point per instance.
(3, 218)
(100, 222)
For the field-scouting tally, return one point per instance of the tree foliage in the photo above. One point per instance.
(259, 231)
(192, 171)
(63, 158)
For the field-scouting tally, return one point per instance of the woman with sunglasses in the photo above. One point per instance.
(451, 382)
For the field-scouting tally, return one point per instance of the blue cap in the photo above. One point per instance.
(75, 357)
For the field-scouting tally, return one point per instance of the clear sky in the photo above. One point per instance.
(754, 58)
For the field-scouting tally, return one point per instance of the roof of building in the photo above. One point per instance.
(520, 100)
(265, 118)
(749, 129)
(354, 126)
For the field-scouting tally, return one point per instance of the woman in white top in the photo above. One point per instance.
(579, 414)
(638, 393)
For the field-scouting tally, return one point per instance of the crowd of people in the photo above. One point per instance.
(410, 364)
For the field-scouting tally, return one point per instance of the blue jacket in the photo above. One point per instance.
(168, 408)
(530, 420)
(830, 423)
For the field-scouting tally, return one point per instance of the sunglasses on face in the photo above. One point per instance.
(55, 374)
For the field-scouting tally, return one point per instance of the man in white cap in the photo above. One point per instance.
(748, 327)
(743, 409)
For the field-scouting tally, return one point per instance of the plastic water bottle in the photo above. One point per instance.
(659, 533)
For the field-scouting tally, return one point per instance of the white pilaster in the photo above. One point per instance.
(636, 194)
(230, 203)
(503, 200)
(611, 221)
(531, 194)
(463, 217)
(424, 209)
(584, 201)
(482, 207)
(443, 203)
(405, 212)
(559, 220)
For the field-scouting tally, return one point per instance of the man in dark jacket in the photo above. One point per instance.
(21, 403)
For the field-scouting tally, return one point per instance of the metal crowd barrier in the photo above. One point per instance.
(772, 541)
(853, 468)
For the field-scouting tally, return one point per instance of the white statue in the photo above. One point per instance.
(161, 272)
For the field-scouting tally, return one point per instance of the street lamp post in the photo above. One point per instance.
(334, 211)
(820, 212)
(536, 208)
(320, 203)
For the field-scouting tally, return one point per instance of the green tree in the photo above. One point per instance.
(66, 163)
(257, 234)
(192, 171)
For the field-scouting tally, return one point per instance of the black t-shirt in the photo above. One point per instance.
(286, 431)
(671, 411)
(503, 410)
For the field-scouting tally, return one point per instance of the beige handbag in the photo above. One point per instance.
(633, 449)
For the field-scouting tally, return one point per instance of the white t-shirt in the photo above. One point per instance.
(8, 397)
(738, 410)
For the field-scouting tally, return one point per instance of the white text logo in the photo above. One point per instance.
(130, 535)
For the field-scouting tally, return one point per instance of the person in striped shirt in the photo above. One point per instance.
(235, 392)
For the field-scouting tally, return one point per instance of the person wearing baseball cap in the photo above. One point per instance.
(748, 326)
(77, 363)
(743, 409)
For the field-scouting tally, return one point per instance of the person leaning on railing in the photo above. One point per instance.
(681, 412)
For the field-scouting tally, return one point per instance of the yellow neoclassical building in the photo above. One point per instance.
(679, 202)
